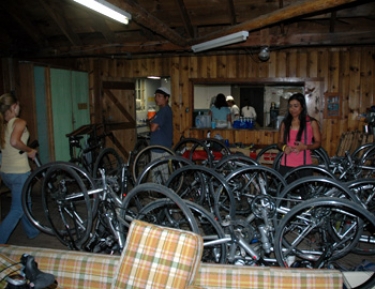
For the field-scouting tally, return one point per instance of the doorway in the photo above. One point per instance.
(253, 96)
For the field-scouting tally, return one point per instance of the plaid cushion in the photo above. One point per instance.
(7, 267)
(215, 276)
(71, 269)
(158, 257)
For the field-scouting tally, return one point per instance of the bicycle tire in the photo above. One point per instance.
(173, 163)
(295, 173)
(214, 191)
(69, 200)
(182, 147)
(164, 212)
(110, 161)
(32, 195)
(131, 206)
(144, 157)
(299, 215)
(251, 182)
(232, 162)
(264, 150)
(364, 189)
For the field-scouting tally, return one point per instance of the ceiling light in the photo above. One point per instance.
(221, 41)
(107, 9)
(153, 77)
(264, 53)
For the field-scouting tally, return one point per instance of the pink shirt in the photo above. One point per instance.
(303, 157)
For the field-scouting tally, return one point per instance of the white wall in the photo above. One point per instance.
(204, 93)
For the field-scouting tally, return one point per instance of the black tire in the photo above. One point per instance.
(233, 162)
(302, 171)
(165, 212)
(167, 164)
(364, 189)
(190, 147)
(32, 195)
(143, 158)
(110, 161)
(206, 186)
(303, 222)
(251, 183)
(142, 195)
(67, 205)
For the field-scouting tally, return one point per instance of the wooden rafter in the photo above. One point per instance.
(55, 13)
(185, 18)
(295, 10)
(232, 12)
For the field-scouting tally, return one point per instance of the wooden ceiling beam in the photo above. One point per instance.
(25, 23)
(232, 12)
(185, 18)
(295, 10)
(55, 13)
(146, 19)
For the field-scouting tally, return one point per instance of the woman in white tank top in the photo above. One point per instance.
(14, 166)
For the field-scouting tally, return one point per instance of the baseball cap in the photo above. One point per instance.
(163, 90)
(230, 98)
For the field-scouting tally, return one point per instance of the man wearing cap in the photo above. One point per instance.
(234, 109)
(161, 124)
(161, 128)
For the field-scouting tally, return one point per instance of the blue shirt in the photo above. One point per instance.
(164, 133)
(219, 114)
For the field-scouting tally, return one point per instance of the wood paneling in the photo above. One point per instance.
(349, 71)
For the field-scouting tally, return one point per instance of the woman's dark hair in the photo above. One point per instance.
(220, 101)
(303, 117)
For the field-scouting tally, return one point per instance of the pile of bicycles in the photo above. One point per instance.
(247, 213)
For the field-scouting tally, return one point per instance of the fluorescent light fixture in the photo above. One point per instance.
(153, 77)
(107, 9)
(221, 41)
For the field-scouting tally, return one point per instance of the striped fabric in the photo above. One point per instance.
(72, 269)
(158, 258)
(79, 270)
(7, 267)
(212, 276)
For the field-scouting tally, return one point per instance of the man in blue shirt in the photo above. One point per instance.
(161, 127)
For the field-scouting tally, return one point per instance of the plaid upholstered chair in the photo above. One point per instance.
(158, 258)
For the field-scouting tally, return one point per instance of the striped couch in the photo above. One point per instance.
(157, 257)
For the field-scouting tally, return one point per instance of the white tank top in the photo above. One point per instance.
(13, 162)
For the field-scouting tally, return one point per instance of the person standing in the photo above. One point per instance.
(161, 127)
(298, 135)
(15, 167)
(234, 109)
(249, 112)
(220, 112)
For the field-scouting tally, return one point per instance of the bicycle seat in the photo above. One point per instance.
(74, 140)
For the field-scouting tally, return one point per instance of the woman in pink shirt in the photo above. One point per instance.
(299, 134)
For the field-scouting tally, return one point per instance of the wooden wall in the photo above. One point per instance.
(348, 71)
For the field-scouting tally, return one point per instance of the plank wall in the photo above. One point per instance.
(348, 71)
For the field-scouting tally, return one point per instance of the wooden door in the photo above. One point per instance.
(119, 113)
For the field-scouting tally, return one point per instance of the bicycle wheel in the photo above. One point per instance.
(195, 150)
(166, 213)
(302, 235)
(143, 158)
(204, 185)
(318, 156)
(364, 189)
(110, 161)
(233, 162)
(160, 169)
(67, 205)
(32, 195)
(141, 196)
(306, 170)
(250, 184)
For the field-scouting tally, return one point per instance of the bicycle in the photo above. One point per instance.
(79, 225)
(29, 275)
